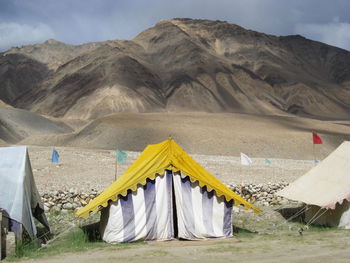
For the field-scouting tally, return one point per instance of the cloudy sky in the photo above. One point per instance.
(79, 21)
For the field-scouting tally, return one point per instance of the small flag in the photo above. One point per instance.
(55, 156)
(245, 160)
(316, 139)
(267, 161)
(121, 156)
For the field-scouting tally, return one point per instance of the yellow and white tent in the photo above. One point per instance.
(163, 195)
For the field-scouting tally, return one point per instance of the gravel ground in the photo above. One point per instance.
(86, 169)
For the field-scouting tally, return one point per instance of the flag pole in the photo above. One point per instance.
(313, 149)
(116, 167)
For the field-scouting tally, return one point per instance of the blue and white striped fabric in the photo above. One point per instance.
(147, 213)
(144, 214)
(200, 214)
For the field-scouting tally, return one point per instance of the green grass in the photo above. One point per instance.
(268, 231)
(74, 241)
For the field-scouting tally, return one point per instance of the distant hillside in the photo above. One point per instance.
(206, 133)
(180, 65)
(17, 124)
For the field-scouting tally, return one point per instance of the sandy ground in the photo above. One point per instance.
(209, 252)
(86, 169)
(273, 240)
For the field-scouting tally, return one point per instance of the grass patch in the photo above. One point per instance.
(74, 241)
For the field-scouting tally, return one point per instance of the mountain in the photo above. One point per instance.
(180, 65)
(17, 124)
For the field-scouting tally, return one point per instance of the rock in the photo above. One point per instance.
(67, 206)
(56, 209)
(284, 202)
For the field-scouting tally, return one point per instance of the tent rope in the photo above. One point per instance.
(312, 220)
(302, 210)
(50, 240)
(57, 236)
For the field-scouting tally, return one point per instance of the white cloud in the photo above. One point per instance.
(14, 34)
(334, 33)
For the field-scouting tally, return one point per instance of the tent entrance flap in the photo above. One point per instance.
(176, 229)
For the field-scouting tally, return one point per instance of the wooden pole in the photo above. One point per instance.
(2, 238)
(19, 238)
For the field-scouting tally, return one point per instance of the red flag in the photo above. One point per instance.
(317, 139)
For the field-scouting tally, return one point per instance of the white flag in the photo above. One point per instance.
(245, 160)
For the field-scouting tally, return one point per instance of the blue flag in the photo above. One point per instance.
(55, 156)
(267, 161)
(121, 156)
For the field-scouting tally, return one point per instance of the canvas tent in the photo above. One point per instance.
(325, 187)
(164, 195)
(19, 197)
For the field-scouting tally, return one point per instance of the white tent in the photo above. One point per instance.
(325, 187)
(19, 197)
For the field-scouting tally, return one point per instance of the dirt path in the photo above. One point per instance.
(258, 249)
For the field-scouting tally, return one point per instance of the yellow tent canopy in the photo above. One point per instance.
(154, 160)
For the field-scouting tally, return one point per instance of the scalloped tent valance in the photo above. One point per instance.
(154, 160)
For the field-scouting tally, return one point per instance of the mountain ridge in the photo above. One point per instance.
(184, 65)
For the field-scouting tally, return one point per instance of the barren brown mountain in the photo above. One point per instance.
(180, 65)
(217, 88)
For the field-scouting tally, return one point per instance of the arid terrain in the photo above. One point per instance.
(86, 169)
(217, 89)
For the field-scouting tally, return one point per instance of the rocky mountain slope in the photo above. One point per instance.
(180, 65)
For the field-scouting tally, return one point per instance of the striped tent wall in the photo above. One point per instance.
(200, 214)
(148, 212)
(144, 214)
